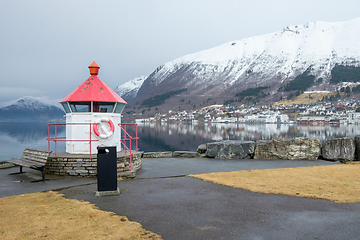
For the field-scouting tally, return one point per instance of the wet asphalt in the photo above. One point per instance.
(164, 200)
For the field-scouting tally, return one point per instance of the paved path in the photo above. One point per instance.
(178, 207)
(165, 167)
(21, 183)
(189, 208)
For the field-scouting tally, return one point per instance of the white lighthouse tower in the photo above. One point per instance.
(93, 112)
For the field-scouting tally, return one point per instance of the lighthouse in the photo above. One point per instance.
(93, 113)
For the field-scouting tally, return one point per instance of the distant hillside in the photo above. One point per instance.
(317, 56)
(30, 109)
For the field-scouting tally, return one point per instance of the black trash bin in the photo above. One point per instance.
(107, 172)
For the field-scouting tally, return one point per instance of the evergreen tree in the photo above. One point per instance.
(348, 90)
(337, 94)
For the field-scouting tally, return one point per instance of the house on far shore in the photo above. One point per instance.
(313, 120)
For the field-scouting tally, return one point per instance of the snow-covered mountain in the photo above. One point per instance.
(30, 109)
(129, 90)
(270, 60)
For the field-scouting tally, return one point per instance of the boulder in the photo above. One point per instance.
(357, 148)
(292, 149)
(230, 149)
(201, 149)
(339, 149)
(263, 150)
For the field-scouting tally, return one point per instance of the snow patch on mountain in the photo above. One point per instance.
(129, 90)
(30, 103)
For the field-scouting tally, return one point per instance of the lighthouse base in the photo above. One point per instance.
(107, 193)
(66, 164)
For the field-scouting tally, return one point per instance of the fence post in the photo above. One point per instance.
(48, 137)
(55, 138)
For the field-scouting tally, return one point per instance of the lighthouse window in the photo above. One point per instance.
(105, 107)
(66, 107)
(80, 106)
(119, 107)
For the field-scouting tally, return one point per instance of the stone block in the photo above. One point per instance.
(90, 168)
(357, 148)
(157, 155)
(86, 165)
(79, 168)
(126, 174)
(339, 149)
(120, 165)
(292, 149)
(185, 154)
(230, 149)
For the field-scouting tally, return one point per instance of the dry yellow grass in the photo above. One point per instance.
(50, 215)
(312, 97)
(337, 183)
(305, 98)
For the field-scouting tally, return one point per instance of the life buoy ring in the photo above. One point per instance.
(106, 133)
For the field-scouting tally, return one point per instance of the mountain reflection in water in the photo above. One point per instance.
(16, 136)
(171, 137)
(153, 137)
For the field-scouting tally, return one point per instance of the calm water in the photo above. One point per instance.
(15, 137)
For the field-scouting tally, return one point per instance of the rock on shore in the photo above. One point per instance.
(293, 149)
(230, 149)
(339, 149)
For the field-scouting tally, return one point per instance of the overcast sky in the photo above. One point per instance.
(46, 46)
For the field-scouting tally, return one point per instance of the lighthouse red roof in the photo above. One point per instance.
(93, 89)
(94, 65)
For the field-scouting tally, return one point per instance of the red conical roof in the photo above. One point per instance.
(93, 89)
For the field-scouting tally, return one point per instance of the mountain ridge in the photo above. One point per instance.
(30, 109)
(267, 60)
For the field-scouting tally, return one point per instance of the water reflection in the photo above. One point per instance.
(15, 137)
(187, 136)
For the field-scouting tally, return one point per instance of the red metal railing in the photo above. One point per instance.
(63, 139)
(125, 136)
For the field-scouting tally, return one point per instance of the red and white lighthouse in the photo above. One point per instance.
(95, 103)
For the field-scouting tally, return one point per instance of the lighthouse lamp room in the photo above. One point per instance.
(93, 118)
